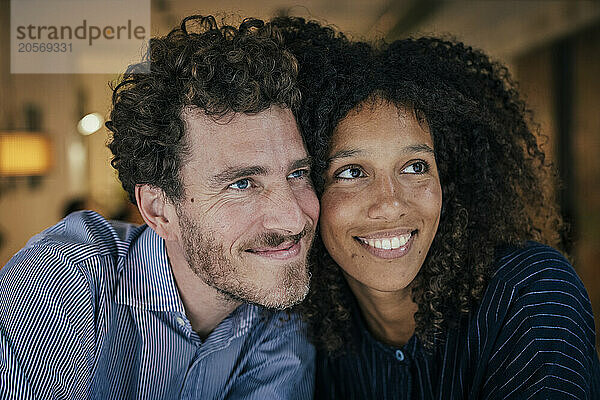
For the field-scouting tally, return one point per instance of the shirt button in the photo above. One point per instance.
(180, 321)
(399, 355)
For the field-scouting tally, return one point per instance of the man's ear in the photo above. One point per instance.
(156, 210)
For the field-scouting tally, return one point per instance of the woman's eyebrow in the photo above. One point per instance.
(419, 148)
(343, 154)
(414, 148)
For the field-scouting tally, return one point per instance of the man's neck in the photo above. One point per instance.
(204, 306)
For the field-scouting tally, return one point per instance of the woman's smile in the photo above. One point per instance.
(387, 245)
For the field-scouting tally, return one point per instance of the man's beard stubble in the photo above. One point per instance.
(207, 260)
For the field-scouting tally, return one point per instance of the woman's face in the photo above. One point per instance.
(382, 197)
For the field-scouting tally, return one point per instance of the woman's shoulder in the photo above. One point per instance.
(520, 268)
(532, 278)
(534, 323)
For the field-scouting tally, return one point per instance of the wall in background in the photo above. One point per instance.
(572, 112)
(81, 166)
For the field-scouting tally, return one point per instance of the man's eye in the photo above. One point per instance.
(350, 173)
(298, 174)
(242, 184)
(419, 167)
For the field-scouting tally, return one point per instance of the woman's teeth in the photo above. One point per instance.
(387, 243)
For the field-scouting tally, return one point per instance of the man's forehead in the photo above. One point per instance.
(270, 139)
(195, 117)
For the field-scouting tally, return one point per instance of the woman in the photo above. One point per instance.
(430, 277)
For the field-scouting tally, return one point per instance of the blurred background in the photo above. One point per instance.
(53, 157)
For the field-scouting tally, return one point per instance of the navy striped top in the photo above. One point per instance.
(90, 309)
(531, 337)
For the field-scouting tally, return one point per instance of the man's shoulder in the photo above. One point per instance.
(81, 239)
(83, 234)
(52, 298)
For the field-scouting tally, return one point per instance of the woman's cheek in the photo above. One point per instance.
(339, 208)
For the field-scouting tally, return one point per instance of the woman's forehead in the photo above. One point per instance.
(378, 123)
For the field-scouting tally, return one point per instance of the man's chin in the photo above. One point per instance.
(286, 300)
(292, 287)
(285, 294)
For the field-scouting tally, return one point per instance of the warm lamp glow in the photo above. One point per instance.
(90, 124)
(24, 154)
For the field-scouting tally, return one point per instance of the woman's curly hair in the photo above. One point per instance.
(199, 65)
(494, 176)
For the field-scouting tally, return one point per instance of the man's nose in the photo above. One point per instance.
(386, 199)
(282, 211)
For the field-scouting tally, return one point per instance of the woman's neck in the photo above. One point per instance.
(389, 315)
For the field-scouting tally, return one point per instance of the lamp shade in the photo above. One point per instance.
(24, 154)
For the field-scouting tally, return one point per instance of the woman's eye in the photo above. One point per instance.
(350, 173)
(242, 184)
(419, 167)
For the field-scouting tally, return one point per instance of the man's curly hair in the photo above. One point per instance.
(493, 174)
(199, 65)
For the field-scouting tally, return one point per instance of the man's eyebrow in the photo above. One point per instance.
(302, 163)
(235, 173)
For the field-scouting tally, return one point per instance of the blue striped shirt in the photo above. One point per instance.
(90, 309)
(531, 337)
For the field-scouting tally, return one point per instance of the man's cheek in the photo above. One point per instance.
(309, 203)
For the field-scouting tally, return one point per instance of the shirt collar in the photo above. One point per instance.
(146, 278)
(244, 317)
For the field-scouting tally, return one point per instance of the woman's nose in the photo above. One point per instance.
(387, 201)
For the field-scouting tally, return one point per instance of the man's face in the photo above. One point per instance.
(249, 211)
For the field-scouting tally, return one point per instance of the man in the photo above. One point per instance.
(207, 147)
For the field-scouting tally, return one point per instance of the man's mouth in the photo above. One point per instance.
(283, 251)
(279, 247)
(282, 247)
